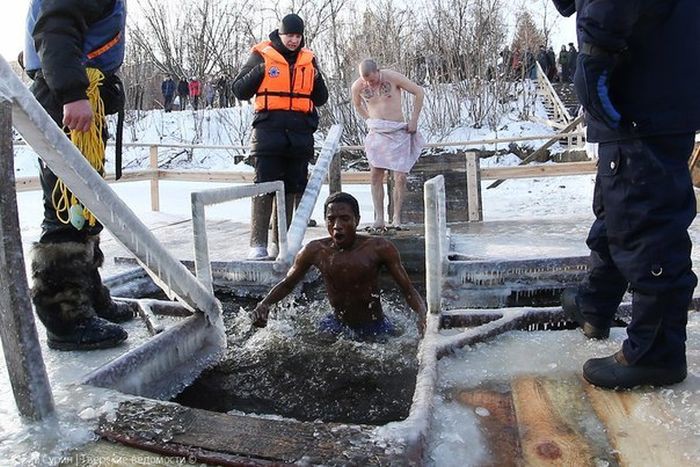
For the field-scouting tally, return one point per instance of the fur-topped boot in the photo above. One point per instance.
(105, 307)
(61, 293)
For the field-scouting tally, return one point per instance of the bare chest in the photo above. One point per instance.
(349, 270)
(384, 91)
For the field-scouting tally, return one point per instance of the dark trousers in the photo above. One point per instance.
(52, 229)
(643, 203)
(168, 104)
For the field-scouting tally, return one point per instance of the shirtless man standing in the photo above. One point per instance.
(391, 144)
(350, 265)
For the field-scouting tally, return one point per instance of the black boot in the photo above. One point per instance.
(614, 372)
(61, 276)
(569, 303)
(105, 307)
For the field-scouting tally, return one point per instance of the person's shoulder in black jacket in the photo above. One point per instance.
(59, 35)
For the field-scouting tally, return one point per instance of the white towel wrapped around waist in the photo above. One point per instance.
(389, 146)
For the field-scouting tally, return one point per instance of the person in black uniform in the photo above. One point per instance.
(63, 38)
(637, 72)
(287, 84)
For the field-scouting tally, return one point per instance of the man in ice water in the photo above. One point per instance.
(392, 143)
(350, 265)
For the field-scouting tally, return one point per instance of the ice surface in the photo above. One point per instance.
(558, 355)
(456, 440)
(77, 407)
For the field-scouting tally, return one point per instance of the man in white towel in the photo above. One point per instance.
(392, 142)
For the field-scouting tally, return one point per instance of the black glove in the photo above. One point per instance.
(591, 83)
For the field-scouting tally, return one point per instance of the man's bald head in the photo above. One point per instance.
(367, 67)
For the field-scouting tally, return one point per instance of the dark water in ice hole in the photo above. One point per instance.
(292, 370)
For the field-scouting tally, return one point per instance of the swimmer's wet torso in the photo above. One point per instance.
(351, 276)
(350, 266)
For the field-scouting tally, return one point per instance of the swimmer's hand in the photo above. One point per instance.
(260, 315)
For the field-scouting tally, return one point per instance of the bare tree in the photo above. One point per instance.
(451, 47)
(196, 38)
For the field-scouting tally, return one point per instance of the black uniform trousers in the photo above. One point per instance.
(644, 203)
(282, 154)
(52, 229)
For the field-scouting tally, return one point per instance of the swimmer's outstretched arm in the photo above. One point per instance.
(302, 263)
(392, 259)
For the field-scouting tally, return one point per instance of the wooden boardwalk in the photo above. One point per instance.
(542, 421)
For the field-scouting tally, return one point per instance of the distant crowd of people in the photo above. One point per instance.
(195, 91)
(518, 64)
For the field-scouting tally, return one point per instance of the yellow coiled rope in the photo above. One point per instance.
(91, 145)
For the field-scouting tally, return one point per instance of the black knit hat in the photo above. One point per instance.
(291, 24)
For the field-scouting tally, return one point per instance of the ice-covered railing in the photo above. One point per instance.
(200, 199)
(435, 240)
(560, 110)
(300, 221)
(148, 369)
(413, 431)
(20, 342)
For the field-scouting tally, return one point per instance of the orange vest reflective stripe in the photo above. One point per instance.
(281, 90)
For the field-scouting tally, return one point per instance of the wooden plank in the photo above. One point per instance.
(570, 402)
(202, 176)
(155, 191)
(220, 438)
(27, 184)
(544, 147)
(546, 438)
(638, 430)
(33, 183)
(478, 142)
(473, 188)
(539, 171)
(499, 427)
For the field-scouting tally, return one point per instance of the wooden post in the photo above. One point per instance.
(155, 192)
(475, 212)
(20, 342)
(334, 182)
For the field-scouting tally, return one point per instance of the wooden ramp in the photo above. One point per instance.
(541, 421)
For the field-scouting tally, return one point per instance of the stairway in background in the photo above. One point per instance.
(567, 95)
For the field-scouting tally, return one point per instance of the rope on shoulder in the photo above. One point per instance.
(69, 210)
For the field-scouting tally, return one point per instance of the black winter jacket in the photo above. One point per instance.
(248, 80)
(654, 84)
(58, 36)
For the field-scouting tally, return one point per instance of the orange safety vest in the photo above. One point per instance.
(280, 89)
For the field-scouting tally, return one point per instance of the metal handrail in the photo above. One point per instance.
(435, 240)
(200, 199)
(300, 221)
(64, 159)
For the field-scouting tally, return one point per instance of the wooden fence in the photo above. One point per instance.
(336, 177)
